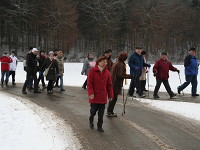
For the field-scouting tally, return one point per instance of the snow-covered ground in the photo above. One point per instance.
(189, 110)
(27, 126)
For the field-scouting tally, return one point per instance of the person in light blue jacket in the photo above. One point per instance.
(191, 65)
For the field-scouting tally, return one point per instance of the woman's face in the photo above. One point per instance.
(103, 63)
(60, 54)
(91, 56)
(51, 55)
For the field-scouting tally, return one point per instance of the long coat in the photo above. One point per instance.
(53, 70)
(100, 84)
(162, 68)
(5, 63)
(118, 73)
(60, 61)
(31, 64)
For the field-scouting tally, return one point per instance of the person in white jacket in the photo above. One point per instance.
(13, 67)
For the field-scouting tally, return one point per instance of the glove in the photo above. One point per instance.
(110, 99)
(154, 73)
(178, 71)
(148, 65)
(137, 68)
(91, 96)
(81, 73)
(59, 75)
(41, 73)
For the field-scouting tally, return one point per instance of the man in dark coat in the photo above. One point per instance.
(118, 73)
(31, 69)
(136, 63)
(161, 72)
(191, 65)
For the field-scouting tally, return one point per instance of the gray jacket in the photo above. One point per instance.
(87, 65)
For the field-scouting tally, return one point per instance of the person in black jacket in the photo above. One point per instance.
(31, 69)
(51, 64)
(41, 60)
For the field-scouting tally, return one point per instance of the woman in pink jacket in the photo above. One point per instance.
(99, 90)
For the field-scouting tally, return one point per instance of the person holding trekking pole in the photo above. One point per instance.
(118, 73)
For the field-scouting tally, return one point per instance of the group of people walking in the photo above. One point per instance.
(51, 67)
(106, 83)
(104, 80)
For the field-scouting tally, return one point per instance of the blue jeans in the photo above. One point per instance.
(190, 79)
(3, 73)
(61, 83)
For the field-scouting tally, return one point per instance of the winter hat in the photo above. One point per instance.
(101, 58)
(123, 56)
(13, 52)
(192, 49)
(51, 52)
(34, 50)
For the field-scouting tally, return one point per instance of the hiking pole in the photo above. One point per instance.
(180, 81)
(148, 82)
(123, 112)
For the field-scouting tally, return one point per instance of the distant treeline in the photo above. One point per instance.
(82, 26)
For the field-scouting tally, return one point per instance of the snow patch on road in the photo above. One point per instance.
(189, 110)
(27, 126)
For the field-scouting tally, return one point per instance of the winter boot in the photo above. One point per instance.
(178, 90)
(156, 96)
(91, 125)
(195, 94)
(142, 96)
(172, 96)
(100, 129)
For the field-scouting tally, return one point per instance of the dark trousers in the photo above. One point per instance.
(135, 83)
(190, 79)
(143, 85)
(111, 104)
(57, 80)
(85, 83)
(93, 110)
(166, 84)
(28, 80)
(41, 77)
(50, 85)
(13, 76)
(3, 73)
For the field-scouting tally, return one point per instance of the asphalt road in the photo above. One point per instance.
(141, 128)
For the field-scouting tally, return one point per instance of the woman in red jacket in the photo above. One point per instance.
(99, 90)
(5, 68)
(161, 72)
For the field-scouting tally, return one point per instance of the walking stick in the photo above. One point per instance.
(180, 81)
(148, 82)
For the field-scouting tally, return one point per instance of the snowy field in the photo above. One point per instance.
(27, 126)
